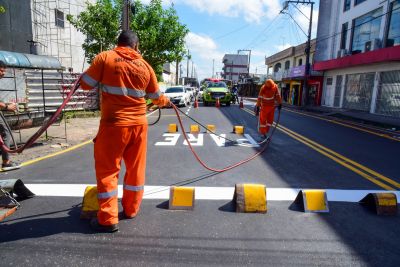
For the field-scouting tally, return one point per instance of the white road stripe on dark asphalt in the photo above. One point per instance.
(203, 193)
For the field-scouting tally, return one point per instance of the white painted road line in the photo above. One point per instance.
(203, 193)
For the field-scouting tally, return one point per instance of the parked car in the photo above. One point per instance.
(178, 95)
(214, 90)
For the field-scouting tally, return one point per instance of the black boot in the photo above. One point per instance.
(94, 224)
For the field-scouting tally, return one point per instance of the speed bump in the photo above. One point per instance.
(194, 129)
(238, 129)
(172, 128)
(381, 203)
(181, 198)
(211, 128)
(90, 204)
(312, 200)
(250, 198)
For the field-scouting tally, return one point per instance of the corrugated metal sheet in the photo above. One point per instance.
(19, 60)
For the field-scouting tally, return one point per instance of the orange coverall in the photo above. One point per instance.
(125, 78)
(269, 94)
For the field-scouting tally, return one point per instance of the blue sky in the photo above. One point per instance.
(219, 27)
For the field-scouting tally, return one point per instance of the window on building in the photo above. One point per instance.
(393, 36)
(300, 62)
(277, 67)
(347, 4)
(343, 38)
(59, 18)
(366, 30)
(356, 2)
(287, 65)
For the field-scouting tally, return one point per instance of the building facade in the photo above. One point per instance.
(358, 49)
(287, 69)
(40, 27)
(235, 67)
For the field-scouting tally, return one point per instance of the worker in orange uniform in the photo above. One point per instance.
(125, 79)
(268, 96)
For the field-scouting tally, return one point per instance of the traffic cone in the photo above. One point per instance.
(196, 103)
(217, 104)
(241, 103)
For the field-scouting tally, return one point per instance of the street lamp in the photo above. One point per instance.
(308, 45)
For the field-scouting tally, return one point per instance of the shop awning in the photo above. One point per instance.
(377, 56)
(19, 60)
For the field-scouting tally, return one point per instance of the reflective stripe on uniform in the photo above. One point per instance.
(123, 91)
(107, 194)
(155, 95)
(262, 125)
(266, 98)
(89, 80)
(134, 188)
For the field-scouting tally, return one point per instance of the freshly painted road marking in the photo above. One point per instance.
(365, 172)
(171, 139)
(203, 193)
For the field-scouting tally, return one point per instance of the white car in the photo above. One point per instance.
(178, 95)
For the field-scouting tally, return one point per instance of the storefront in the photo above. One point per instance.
(292, 87)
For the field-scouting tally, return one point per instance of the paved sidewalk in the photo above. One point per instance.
(385, 122)
(59, 137)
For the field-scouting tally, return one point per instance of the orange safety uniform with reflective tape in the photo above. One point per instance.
(268, 96)
(125, 79)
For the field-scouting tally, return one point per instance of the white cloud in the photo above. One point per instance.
(282, 47)
(204, 51)
(250, 10)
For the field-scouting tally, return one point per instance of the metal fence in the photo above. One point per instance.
(358, 91)
(388, 97)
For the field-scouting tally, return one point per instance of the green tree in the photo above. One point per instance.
(2, 9)
(161, 35)
(100, 23)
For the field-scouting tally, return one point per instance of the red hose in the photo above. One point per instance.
(42, 129)
(230, 166)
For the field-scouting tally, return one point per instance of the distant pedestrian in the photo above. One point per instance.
(7, 164)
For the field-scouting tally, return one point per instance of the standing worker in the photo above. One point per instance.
(268, 96)
(126, 79)
(7, 164)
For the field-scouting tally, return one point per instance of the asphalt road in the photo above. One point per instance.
(305, 153)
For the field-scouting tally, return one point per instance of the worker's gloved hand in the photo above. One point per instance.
(257, 110)
(163, 101)
(11, 107)
(279, 106)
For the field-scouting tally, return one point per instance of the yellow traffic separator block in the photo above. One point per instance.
(172, 128)
(250, 198)
(90, 204)
(381, 203)
(194, 129)
(312, 200)
(181, 198)
(211, 128)
(238, 129)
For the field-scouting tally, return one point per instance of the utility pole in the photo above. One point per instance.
(177, 73)
(308, 46)
(212, 76)
(126, 15)
(187, 67)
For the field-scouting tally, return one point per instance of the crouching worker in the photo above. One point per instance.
(267, 98)
(126, 79)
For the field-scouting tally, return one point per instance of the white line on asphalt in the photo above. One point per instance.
(203, 193)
